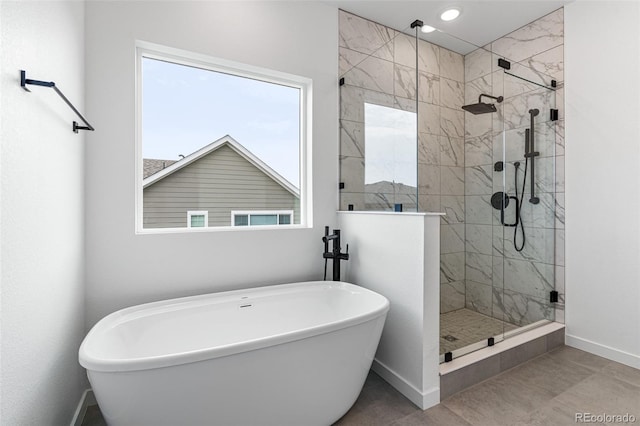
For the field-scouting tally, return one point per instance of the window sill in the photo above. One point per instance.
(151, 231)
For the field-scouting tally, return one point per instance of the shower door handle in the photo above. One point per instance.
(517, 222)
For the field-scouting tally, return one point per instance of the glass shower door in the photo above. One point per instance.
(524, 211)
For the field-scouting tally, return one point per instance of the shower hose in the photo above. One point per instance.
(519, 223)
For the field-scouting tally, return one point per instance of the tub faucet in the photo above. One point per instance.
(335, 255)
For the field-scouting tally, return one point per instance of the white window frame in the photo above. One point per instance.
(178, 56)
(259, 212)
(204, 213)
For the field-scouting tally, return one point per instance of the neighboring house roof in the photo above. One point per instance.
(151, 166)
(233, 144)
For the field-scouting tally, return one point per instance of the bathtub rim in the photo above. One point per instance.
(115, 365)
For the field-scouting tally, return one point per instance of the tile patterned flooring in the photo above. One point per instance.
(546, 391)
(468, 327)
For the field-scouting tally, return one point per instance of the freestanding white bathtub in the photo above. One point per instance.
(292, 354)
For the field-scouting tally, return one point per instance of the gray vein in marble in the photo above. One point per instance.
(478, 151)
(365, 36)
(477, 64)
(559, 127)
(430, 58)
(516, 109)
(538, 36)
(478, 180)
(479, 268)
(538, 247)
(451, 151)
(474, 88)
(521, 309)
(352, 100)
(429, 88)
(559, 211)
(548, 65)
(351, 139)
(452, 122)
(404, 104)
(526, 277)
(371, 73)
(451, 267)
(454, 207)
(451, 93)
(404, 82)
(478, 297)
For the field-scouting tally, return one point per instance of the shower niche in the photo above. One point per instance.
(475, 132)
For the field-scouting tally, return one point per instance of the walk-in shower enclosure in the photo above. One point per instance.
(406, 144)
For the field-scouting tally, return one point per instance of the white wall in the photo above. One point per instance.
(602, 59)
(398, 256)
(124, 269)
(42, 227)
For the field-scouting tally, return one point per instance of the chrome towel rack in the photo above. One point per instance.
(24, 81)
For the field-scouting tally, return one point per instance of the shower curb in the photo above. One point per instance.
(455, 380)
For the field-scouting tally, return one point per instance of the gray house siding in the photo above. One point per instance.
(219, 182)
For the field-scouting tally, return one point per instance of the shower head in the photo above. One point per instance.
(481, 107)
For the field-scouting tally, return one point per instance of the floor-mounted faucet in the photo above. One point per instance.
(335, 253)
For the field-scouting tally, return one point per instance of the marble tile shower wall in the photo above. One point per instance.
(499, 280)
(456, 152)
(379, 66)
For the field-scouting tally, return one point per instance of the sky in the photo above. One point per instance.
(186, 108)
(391, 145)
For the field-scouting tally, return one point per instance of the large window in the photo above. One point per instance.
(216, 137)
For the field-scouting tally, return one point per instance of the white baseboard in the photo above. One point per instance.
(608, 352)
(423, 400)
(86, 400)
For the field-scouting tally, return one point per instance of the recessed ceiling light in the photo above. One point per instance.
(450, 14)
(427, 29)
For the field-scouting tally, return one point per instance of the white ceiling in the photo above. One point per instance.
(481, 21)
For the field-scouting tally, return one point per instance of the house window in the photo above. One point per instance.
(197, 219)
(261, 218)
(216, 137)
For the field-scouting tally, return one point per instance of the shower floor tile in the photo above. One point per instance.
(464, 327)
